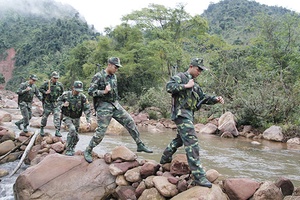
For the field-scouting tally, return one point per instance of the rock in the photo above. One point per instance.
(125, 193)
(286, 186)
(227, 123)
(148, 169)
(56, 177)
(3, 173)
(164, 187)
(199, 193)
(133, 175)
(179, 165)
(240, 188)
(6, 146)
(273, 133)
(268, 191)
(123, 153)
(151, 193)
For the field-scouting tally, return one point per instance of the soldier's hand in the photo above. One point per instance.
(220, 99)
(190, 84)
(66, 104)
(107, 89)
(88, 125)
(48, 91)
(28, 88)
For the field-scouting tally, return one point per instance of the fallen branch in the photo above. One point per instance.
(15, 148)
(29, 146)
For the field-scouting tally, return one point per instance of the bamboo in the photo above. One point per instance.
(29, 146)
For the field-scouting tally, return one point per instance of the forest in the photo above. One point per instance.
(251, 50)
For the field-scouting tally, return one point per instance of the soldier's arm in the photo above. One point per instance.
(38, 94)
(175, 85)
(93, 89)
(87, 110)
(22, 88)
(43, 88)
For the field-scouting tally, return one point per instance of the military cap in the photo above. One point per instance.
(78, 86)
(33, 77)
(115, 61)
(198, 62)
(55, 74)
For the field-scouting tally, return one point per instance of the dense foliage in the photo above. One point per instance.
(251, 49)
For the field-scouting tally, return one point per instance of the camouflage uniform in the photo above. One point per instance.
(78, 104)
(25, 101)
(184, 105)
(50, 100)
(108, 107)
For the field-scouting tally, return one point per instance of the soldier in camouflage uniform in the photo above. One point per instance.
(187, 97)
(72, 104)
(25, 93)
(51, 90)
(103, 89)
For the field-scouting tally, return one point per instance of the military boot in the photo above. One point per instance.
(25, 129)
(141, 147)
(202, 181)
(18, 124)
(88, 154)
(42, 133)
(57, 133)
(70, 151)
(164, 159)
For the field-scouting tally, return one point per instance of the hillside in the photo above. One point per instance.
(41, 32)
(234, 19)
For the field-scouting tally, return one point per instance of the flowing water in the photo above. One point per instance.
(232, 158)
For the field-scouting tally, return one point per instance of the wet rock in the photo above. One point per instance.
(286, 186)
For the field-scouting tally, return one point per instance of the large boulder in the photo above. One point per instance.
(77, 179)
(273, 133)
(227, 123)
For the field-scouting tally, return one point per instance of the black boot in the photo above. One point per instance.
(202, 181)
(141, 147)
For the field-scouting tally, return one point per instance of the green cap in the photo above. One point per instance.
(33, 77)
(115, 61)
(55, 74)
(78, 86)
(198, 62)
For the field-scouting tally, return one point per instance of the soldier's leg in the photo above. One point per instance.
(104, 114)
(46, 113)
(56, 118)
(124, 118)
(186, 130)
(171, 149)
(72, 137)
(25, 113)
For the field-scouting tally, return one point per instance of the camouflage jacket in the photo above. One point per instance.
(185, 101)
(56, 90)
(98, 84)
(27, 96)
(77, 104)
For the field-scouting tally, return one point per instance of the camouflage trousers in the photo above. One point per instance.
(186, 136)
(49, 107)
(73, 126)
(26, 111)
(105, 112)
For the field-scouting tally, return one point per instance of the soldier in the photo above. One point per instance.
(103, 89)
(51, 90)
(72, 104)
(25, 93)
(187, 98)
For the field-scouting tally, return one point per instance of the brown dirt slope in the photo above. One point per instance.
(7, 65)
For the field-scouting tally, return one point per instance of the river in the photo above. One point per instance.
(236, 157)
